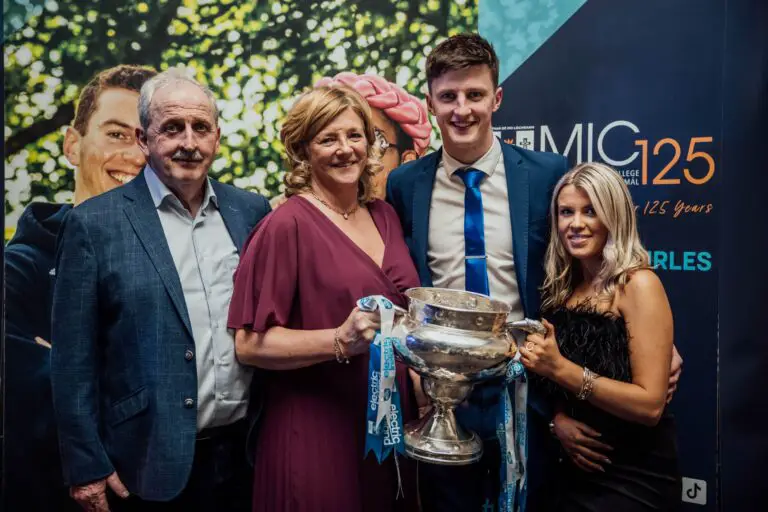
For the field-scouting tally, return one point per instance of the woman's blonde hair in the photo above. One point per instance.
(623, 252)
(312, 112)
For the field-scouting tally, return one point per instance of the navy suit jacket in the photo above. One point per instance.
(531, 178)
(120, 330)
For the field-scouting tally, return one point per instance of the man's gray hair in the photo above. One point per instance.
(169, 77)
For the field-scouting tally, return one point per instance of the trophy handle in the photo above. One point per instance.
(527, 325)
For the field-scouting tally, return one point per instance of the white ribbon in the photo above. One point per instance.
(513, 435)
(387, 366)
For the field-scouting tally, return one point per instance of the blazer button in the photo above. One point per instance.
(189, 403)
(188, 355)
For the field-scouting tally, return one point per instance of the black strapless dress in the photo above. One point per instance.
(644, 473)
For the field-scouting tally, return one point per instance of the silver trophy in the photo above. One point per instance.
(453, 339)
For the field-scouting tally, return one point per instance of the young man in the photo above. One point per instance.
(101, 144)
(496, 197)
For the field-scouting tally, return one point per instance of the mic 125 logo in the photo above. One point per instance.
(664, 156)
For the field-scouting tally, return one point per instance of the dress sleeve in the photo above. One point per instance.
(266, 278)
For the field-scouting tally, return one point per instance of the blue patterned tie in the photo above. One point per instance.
(474, 232)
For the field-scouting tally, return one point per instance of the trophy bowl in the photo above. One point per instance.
(453, 339)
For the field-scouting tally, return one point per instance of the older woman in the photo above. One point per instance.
(608, 350)
(400, 123)
(293, 309)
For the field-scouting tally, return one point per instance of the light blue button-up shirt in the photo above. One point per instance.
(205, 259)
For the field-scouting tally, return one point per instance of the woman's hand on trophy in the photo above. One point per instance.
(357, 332)
(580, 443)
(540, 353)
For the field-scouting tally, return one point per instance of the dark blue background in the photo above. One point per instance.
(743, 310)
(658, 65)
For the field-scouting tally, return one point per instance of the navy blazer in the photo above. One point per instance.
(531, 179)
(120, 330)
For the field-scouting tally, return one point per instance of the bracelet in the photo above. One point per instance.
(587, 384)
(340, 357)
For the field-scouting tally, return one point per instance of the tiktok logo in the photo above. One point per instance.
(694, 491)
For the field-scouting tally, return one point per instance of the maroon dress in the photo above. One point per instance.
(300, 271)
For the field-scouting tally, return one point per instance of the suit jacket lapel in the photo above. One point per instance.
(517, 191)
(142, 215)
(233, 217)
(422, 197)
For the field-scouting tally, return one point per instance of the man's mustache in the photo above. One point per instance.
(187, 156)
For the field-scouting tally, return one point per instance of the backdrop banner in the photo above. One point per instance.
(637, 85)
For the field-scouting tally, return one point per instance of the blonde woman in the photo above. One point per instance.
(607, 350)
(293, 309)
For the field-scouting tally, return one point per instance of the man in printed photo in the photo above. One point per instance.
(101, 145)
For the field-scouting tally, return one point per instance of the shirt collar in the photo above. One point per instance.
(159, 191)
(486, 163)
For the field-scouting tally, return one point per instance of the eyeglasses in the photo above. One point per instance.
(381, 140)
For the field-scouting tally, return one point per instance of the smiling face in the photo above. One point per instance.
(338, 153)
(106, 155)
(182, 138)
(580, 230)
(463, 102)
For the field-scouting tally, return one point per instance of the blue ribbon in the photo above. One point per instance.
(384, 418)
(387, 436)
(513, 438)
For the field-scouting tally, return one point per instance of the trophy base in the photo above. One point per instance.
(438, 439)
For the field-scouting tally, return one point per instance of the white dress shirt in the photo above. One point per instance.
(205, 258)
(445, 252)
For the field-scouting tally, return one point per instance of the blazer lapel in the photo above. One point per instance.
(142, 215)
(422, 197)
(233, 217)
(517, 192)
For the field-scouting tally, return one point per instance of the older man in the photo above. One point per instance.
(150, 401)
(101, 144)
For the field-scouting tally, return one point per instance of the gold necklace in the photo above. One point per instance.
(341, 212)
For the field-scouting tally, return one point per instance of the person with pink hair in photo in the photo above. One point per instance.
(401, 122)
